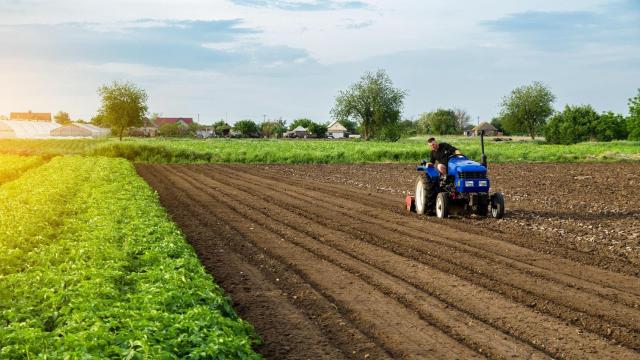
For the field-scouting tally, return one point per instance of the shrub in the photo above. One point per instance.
(573, 125)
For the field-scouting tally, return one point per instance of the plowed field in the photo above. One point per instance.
(325, 263)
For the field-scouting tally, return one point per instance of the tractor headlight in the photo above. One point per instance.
(482, 183)
(468, 183)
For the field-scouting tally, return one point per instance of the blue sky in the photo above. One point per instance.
(254, 58)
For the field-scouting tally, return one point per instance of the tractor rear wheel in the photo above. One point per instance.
(425, 195)
(497, 206)
(442, 205)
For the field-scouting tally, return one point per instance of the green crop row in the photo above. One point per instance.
(92, 267)
(12, 166)
(322, 151)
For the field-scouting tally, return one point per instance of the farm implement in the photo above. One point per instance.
(464, 190)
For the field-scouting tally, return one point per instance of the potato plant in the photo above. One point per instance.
(92, 267)
(12, 166)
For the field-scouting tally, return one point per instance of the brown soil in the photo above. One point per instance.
(324, 262)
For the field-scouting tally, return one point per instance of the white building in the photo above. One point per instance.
(337, 130)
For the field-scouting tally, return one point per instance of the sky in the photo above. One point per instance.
(261, 59)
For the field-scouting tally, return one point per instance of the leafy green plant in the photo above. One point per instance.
(91, 266)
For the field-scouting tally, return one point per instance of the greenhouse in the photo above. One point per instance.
(27, 129)
(80, 130)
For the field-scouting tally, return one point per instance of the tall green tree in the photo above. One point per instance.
(123, 105)
(62, 118)
(443, 122)
(373, 102)
(247, 128)
(527, 109)
(633, 121)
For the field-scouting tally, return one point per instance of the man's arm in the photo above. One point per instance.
(432, 160)
(454, 149)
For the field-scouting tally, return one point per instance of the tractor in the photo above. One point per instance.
(464, 190)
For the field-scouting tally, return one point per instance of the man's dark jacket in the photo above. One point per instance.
(442, 154)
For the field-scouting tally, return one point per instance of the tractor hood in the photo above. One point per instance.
(462, 164)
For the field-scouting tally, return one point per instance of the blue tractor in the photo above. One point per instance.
(465, 189)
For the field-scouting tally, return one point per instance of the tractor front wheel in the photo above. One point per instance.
(497, 206)
(442, 205)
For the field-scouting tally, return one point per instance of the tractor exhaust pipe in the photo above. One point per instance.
(484, 157)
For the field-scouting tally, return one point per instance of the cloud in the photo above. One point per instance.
(358, 25)
(568, 30)
(310, 5)
(160, 43)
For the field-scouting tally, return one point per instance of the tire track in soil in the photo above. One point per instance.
(405, 282)
(556, 300)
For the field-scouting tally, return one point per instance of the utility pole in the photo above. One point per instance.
(264, 117)
(198, 118)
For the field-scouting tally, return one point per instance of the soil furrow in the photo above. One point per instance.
(530, 207)
(380, 316)
(617, 287)
(603, 313)
(443, 279)
(419, 232)
(459, 325)
(293, 320)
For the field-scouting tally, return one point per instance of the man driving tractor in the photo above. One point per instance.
(440, 153)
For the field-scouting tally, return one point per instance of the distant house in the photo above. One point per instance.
(30, 116)
(80, 130)
(298, 132)
(205, 132)
(489, 130)
(177, 120)
(337, 130)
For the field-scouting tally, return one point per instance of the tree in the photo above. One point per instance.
(633, 121)
(123, 105)
(270, 129)
(221, 128)
(610, 126)
(304, 122)
(99, 120)
(498, 123)
(573, 125)
(318, 129)
(462, 119)
(62, 118)
(422, 126)
(373, 102)
(351, 126)
(408, 127)
(247, 128)
(527, 108)
(443, 122)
